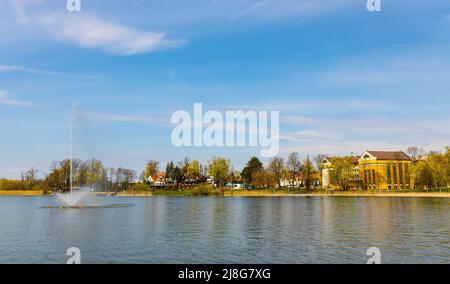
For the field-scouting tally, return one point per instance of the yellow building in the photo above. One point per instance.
(375, 170)
(385, 170)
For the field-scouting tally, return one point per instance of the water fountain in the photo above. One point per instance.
(75, 199)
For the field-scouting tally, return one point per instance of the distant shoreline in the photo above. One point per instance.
(261, 193)
(248, 193)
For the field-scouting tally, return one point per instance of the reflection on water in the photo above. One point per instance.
(228, 230)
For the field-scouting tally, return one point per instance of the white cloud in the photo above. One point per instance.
(5, 99)
(87, 31)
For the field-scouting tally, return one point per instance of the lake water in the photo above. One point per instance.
(227, 230)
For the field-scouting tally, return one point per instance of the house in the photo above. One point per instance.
(158, 179)
(385, 170)
(375, 170)
(238, 186)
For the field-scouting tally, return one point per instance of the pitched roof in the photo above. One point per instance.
(389, 155)
(354, 159)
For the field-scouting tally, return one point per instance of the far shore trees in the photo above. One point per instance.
(430, 171)
(175, 174)
(194, 170)
(250, 169)
(276, 166)
(170, 172)
(89, 173)
(220, 169)
(151, 169)
(294, 165)
(264, 178)
(308, 170)
(433, 170)
(343, 171)
(318, 161)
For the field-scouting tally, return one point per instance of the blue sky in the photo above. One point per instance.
(344, 80)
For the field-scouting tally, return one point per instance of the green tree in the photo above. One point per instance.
(447, 165)
(220, 169)
(253, 165)
(193, 171)
(151, 169)
(178, 176)
(423, 174)
(438, 169)
(96, 172)
(342, 172)
(170, 172)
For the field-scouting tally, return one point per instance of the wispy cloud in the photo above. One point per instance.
(5, 99)
(109, 117)
(282, 8)
(87, 31)
(322, 105)
(15, 68)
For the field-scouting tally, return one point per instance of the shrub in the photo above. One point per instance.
(202, 190)
(139, 187)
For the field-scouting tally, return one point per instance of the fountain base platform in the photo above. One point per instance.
(83, 206)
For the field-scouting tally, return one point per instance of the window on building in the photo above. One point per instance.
(394, 173)
(374, 178)
(366, 181)
(407, 175)
(400, 175)
(388, 174)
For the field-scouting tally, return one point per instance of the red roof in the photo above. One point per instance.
(389, 155)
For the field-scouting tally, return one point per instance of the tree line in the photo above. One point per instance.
(430, 170)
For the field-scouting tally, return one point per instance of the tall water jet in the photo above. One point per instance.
(72, 199)
(78, 193)
(71, 156)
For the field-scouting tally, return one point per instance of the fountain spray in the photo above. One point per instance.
(71, 156)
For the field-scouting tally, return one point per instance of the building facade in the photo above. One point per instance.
(386, 170)
(375, 170)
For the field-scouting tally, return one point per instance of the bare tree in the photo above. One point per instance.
(318, 161)
(276, 166)
(415, 153)
(30, 175)
(294, 166)
(307, 173)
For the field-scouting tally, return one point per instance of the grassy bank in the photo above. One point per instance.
(273, 192)
(21, 192)
(207, 191)
(281, 193)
